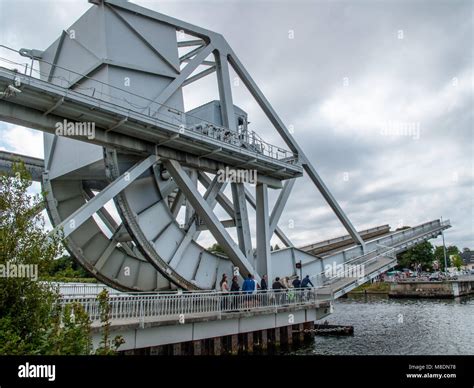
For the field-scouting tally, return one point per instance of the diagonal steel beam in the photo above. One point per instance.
(242, 219)
(177, 202)
(238, 189)
(192, 233)
(200, 75)
(205, 212)
(190, 54)
(56, 55)
(143, 39)
(207, 63)
(281, 235)
(292, 144)
(188, 28)
(229, 207)
(280, 204)
(76, 219)
(185, 73)
(189, 43)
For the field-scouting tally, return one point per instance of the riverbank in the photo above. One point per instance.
(431, 289)
(386, 326)
(377, 288)
(418, 288)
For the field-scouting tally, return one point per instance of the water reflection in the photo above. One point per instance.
(400, 326)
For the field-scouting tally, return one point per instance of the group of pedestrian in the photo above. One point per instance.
(284, 283)
(250, 287)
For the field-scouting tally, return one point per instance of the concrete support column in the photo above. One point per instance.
(217, 344)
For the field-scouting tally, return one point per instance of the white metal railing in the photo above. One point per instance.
(207, 303)
(399, 239)
(89, 289)
(130, 102)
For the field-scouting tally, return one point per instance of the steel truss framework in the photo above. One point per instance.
(150, 191)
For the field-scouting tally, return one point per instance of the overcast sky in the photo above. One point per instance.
(347, 77)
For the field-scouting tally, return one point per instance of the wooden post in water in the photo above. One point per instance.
(235, 344)
(277, 336)
(289, 335)
(177, 349)
(249, 337)
(309, 326)
(217, 342)
(264, 340)
(301, 333)
(197, 348)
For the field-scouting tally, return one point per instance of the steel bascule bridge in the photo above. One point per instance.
(123, 68)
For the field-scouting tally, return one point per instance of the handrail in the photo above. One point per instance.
(146, 107)
(384, 250)
(163, 306)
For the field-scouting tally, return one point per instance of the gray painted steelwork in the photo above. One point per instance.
(119, 67)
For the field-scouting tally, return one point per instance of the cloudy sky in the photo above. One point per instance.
(378, 93)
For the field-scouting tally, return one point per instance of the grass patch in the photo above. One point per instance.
(373, 288)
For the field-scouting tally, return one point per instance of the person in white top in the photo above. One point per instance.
(224, 288)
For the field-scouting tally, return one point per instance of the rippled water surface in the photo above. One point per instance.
(400, 326)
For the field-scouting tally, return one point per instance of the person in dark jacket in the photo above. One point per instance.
(278, 287)
(235, 285)
(276, 284)
(306, 281)
(297, 282)
(234, 289)
(263, 283)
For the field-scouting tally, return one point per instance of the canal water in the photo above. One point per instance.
(384, 326)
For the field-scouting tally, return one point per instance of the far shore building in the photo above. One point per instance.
(468, 258)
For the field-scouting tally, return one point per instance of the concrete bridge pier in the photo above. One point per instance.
(259, 341)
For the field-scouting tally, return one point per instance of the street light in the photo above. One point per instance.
(299, 266)
(444, 250)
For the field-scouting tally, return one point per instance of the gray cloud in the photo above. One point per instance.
(424, 78)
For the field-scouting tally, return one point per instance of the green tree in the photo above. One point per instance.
(31, 319)
(439, 254)
(216, 248)
(107, 346)
(65, 267)
(420, 254)
(456, 261)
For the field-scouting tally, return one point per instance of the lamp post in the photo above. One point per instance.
(444, 251)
